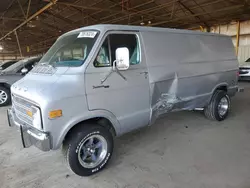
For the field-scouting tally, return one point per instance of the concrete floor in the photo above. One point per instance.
(182, 150)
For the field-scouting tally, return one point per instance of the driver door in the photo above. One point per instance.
(126, 96)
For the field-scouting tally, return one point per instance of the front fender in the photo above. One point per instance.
(89, 115)
(5, 82)
(10, 79)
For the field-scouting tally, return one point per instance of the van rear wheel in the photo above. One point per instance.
(88, 149)
(219, 106)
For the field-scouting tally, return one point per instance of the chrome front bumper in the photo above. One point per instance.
(30, 136)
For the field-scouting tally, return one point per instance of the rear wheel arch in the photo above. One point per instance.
(222, 88)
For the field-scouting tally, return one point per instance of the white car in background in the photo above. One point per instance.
(244, 71)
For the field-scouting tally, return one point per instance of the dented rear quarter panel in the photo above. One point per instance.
(185, 69)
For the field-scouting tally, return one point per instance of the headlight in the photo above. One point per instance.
(36, 116)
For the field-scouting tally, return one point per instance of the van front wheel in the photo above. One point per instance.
(88, 149)
(219, 106)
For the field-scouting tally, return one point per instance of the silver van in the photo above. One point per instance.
(102, 81)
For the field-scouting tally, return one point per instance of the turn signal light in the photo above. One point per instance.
(29, 113)
(55, 113)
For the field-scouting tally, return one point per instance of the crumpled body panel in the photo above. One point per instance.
(164, 97)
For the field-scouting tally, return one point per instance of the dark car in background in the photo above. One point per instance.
(12, 74)
(7, 64)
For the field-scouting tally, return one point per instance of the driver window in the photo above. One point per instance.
(129, 41)
(106, 54)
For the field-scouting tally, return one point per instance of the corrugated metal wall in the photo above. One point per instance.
(6, 58)
(244, 40)
(244, 54)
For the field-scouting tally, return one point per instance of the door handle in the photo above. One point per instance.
(101, 86)
(145, 74)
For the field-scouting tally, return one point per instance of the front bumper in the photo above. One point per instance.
(30, 136)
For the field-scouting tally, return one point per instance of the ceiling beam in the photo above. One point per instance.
(164, 16)
(201, 8)
(173, 9)
(216, 21)
(52, 27)
(30, 18)
(58, 16)
(28, 9)
(11, 19)
(21, 7)
(96, 12)
(9, 6)
(151, 9)
(177, 12)
(87, 14)
(236, 2)
(192, 13)
(89, 7)
(44, 41)
(80, 11)
(131, 10)
(198, 14)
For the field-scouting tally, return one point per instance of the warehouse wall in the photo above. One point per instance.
(244, 39)
(6, 57)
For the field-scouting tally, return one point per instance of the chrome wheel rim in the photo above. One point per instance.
(223, 106)
(92, 151)
(3, 96)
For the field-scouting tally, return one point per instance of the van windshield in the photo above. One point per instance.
(71, 50)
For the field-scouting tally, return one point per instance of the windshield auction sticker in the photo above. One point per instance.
(87, 34)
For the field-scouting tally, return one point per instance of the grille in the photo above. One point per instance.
(21, 107)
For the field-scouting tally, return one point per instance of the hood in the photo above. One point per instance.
(37, 87)
(33, 87)
(7, 72)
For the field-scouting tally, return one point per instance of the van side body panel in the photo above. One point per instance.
(185, 69)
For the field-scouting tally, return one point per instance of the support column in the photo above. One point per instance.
(238, 38)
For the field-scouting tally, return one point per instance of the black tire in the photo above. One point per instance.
(7, 91)
(212, 110)
(77, 137)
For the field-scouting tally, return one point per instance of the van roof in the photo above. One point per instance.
(108, 27)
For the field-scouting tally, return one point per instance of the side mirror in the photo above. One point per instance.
(122, 58)
(24, 70)
(35, 64)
